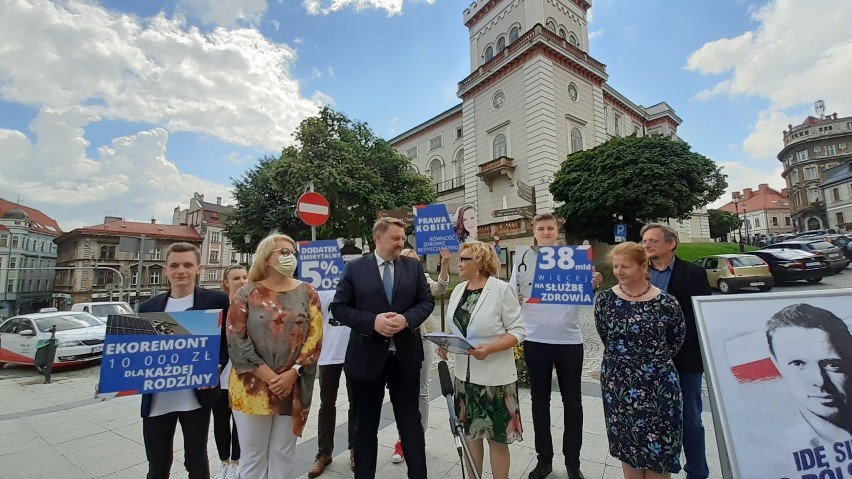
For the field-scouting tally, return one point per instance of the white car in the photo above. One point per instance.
(80, 337)
(104, 309)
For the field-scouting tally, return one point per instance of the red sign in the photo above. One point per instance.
(313, 209)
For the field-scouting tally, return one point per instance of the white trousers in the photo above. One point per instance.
(425, 369)
(268, 446)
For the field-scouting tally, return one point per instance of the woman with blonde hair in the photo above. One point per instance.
(642, 328)
(234, 277)
(485, 311)
(274, 337)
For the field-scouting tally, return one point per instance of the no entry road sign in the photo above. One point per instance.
(313, 209)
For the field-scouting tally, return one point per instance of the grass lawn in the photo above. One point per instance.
(693, 251)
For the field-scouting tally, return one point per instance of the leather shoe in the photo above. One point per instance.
(541, 470)
(352, 459)
(319, 465)
(574, 473)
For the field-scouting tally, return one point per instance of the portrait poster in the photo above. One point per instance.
(779, 370)
(444, 225)
(159, 352)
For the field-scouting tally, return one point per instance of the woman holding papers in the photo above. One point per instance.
(485, 311)
(274, 332)
(227, 442)
(642, 328)
(429, 326)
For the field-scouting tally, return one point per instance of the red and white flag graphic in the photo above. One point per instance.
(748, 357)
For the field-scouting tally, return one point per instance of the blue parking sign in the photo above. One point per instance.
(620, 232)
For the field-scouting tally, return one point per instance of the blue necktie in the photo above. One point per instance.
(387, 280)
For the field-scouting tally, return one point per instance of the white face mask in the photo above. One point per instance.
(286, 265)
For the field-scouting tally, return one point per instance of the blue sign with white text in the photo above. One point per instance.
(158, 352)
(320, 264)
(563, 275)
(620, 233)
(434, 230)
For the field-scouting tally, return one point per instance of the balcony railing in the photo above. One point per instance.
(449, 185)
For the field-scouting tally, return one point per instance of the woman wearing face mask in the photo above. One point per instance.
(274, 336)
(227, 443)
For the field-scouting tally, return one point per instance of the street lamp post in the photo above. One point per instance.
(247, 239)
(736, 197)
(745, 216)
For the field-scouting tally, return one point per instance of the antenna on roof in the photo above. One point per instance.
(819, 109)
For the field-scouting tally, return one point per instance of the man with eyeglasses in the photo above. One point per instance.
(553, 341)
(683, 280)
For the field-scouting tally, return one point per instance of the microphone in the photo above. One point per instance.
(445, 378)
(447, 392)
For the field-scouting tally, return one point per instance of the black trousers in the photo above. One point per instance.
(404, 393)
(541, 359)
(224, 429)
(159, 435)
(329, 381)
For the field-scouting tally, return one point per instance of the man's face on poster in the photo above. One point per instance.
(815, 371)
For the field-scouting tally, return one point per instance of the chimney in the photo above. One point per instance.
(748, 193)
(153, 221)
(785, 192)
(763, 188)
(219, 200)
(110, 219)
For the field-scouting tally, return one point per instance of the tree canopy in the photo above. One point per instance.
(347, 163)
(642, 179)
(722, 223)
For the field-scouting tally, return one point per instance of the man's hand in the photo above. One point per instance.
(597, 278)
(282, 384)
(388, 324)
(480, 352)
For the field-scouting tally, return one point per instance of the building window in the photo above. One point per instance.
(436, 142)
(134, 276)
(4, 241)
(835, 193)
(38, 285)
(551, 25)
(214, 256)
(840, 220)
(810, 173)
(774, 221)
(411, 152)
(563, 34)
(802, 155)
(513, 34)
(234, 257)
(459, 133)
(830, 150)
(436, 170)
(572, 92)
(849, 125)
(14, 241)
(212, 275)
(572, 39)
(13, 263)
(617, 119)
(154, 277)
(108, 251)
(500, 146)
(635, 129)
(794, 177)
(215, 237)
(489, 53)
(813, 195)
(157, 255)
(501, 44)
(459, 163)
(757, 222)
(786, 221)
(576, 140)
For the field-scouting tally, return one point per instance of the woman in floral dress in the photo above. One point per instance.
(642, 328)
(485, 311)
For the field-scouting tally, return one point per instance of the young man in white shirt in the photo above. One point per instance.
(554, 340)
(191, 407)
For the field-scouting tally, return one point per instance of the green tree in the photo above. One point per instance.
(722, 223)
(355, 170)
(642, 179)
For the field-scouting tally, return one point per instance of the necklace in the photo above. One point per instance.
(635, 295)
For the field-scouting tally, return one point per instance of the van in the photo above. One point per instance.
(103, 309)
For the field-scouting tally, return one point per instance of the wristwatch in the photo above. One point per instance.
(297, 368)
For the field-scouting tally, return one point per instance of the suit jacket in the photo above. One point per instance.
(688, 280)
(204, 299)
(361, 296)
(496, 313)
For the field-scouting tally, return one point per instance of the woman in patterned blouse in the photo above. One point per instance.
(274, 337)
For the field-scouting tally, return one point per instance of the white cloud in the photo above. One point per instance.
(223, 12)
(596, 34)
(233, 84)
(316, 73)
(797, 53)
(324, 7)
(741, 176)
(330, 71)
(132, 174)
(298, 41)
(275, 24)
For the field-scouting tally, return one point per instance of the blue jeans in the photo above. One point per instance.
(693, 429)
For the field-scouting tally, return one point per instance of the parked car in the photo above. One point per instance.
(80, 337)
(837, 260)
(794, 265)
(730, 272)
(843, 242)
(104, 308)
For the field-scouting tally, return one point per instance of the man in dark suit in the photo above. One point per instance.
(191, 407)
(384, 298)
(683, 280)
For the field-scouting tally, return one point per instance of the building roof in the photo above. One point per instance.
(39, 221)
(838, 175)
(765, 198)
(132, 228)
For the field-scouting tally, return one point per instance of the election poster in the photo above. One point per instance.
(320, 264)
(779, 371)
(444, 225)
(158, 352)
(555, 274)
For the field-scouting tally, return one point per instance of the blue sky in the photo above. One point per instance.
(130, 107)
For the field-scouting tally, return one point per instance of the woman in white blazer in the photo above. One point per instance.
(485, 311)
